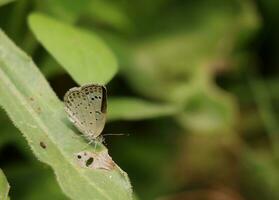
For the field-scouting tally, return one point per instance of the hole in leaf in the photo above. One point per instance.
(43, 145)
(89, 161)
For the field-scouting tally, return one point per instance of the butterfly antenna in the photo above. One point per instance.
(126, 134)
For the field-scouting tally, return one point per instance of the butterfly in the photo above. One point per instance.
(86, 107)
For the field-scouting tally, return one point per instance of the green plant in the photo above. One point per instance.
(193, 85)
(36, 111)
(39, 115)
(4, 186)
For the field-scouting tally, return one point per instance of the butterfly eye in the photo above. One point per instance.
(79, 156)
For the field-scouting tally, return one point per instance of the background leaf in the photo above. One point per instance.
(83, 54)
(4, 186)
(127, 108)
(36, 111)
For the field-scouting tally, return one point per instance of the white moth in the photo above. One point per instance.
(86, 107)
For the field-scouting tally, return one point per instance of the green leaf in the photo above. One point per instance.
(4, 186)
(126, 108)
(39, 115)
(82, 53)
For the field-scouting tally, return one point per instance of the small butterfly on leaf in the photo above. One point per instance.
(86, 107)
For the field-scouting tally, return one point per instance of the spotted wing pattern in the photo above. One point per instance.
(86, 107)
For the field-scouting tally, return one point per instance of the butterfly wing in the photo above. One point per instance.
(97, 98)
(74, 106)
(86, 108)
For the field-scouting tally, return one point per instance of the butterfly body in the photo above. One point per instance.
(86, 107)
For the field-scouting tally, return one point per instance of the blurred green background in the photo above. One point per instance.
(216, 61)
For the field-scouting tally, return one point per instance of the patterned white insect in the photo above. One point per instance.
(86, 107)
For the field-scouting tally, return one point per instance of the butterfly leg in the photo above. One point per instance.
(89, 143)
(95, 145)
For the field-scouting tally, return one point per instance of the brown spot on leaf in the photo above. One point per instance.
(39, 110)
(43, 145)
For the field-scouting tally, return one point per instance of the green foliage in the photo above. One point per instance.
(120, 109)
(4, 186)
(194, 83)
(82, 54)
(36, 111)
(179, 66)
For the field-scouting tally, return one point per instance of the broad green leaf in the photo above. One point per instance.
(39, 115)
(127, 108)
(3, 2)
(82, 53)
(4, 186)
